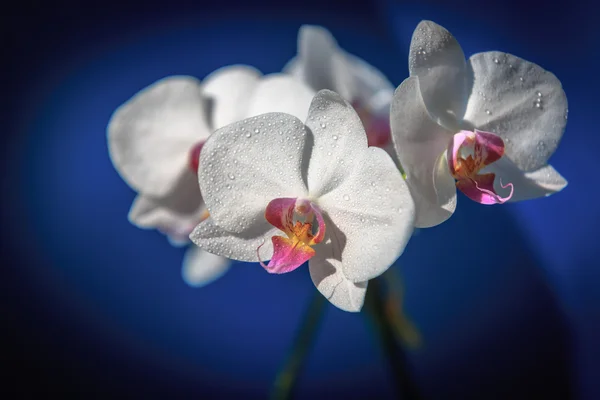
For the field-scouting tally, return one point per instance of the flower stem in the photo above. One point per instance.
(405, 387)
(287, 377)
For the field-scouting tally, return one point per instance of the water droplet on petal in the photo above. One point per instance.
(335, 137)
(496, 60)
(539, 94)
(231, 176)
(322, 125)
(488, 112)
(346, 197)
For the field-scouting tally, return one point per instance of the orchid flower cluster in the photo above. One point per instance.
(327, 163)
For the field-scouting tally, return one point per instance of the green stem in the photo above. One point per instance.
(405, 387)
(288, 376)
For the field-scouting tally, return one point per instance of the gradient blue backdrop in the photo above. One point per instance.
(506, 298)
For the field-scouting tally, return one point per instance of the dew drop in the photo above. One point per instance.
(248, 134)
(335, 137)
(539, 94)
(521, 79)
(231, 176)
(256, 130)
(488, 112)
(496, 60)
(346, 197)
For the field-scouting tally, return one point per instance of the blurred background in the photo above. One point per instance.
(507, 299)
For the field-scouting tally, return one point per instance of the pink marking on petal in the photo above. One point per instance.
(194, 159)
(280, 213)
(453, 153)
(481, 189)
(486, 149)
(489, 148)
(295, 218)
(288, 254)
(376, 127)
(378, 133)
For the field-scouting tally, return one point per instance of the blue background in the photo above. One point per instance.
(506, 298)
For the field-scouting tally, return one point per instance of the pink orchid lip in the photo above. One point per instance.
(194, 158)
(377, 129)
(486, 148)
(295, 218)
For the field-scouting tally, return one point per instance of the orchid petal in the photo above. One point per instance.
(520, 102)
(439, 62)
(245, 165)
(242, 247)
(421, 144)
(229, 88)
(280, 93)
(339, 138)
(149, 136)
(182, 207)
(201, 268)
(374, 213)
(527, 185)
(322, 64)
(369, 85)
(327, 275)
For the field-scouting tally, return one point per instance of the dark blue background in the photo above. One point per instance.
(506, 298)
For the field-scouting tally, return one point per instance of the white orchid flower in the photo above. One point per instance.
(490, 122)
(322, 64)
(279, 190)
(155, 138)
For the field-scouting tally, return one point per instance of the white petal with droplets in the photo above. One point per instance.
(326, 273)
(421, 144)
(519, 101)
(374, 214)
(438, 60)
(245, 165)
(338, 139)
(243, 247)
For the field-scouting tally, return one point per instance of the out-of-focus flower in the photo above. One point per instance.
(322, 64)
(155, 138)
(279, 190)
(491, 122)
